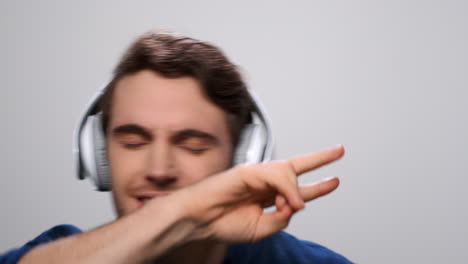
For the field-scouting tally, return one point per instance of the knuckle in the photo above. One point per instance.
(284, 166)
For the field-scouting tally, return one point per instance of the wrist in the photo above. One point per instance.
(164, 224)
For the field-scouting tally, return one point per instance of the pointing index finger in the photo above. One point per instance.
(308, 162)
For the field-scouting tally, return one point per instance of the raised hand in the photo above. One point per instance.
(230, 206)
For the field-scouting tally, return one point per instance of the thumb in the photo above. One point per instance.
(275, 221)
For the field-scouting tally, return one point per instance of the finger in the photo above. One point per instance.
(273, 222)
(267, 181)
(280, 202)
(284, 169)
(308, 162)
(289, 191)
(318, 189)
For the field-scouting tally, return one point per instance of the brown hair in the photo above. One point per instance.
(176, 56)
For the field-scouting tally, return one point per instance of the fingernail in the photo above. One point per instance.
(330, 179)
(338, 146)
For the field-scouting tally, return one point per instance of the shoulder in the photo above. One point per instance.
(49, 235)
(284, 248)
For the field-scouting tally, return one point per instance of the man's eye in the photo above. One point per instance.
(132, 145)
(193, 145)
(196, 151)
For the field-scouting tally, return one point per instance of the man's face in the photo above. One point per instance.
(163, 135)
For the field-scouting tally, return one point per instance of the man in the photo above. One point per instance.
(173, 116)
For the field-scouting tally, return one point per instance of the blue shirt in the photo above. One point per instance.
(279, 248)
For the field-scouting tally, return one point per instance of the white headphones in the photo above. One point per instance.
(89, 146)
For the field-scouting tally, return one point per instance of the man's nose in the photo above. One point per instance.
(161, 169)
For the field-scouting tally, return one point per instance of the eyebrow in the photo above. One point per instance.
(193, 133)
(132, 129)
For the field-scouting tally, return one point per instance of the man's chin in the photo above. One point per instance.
(121, 210)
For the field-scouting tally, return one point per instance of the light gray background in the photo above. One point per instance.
(388, 79)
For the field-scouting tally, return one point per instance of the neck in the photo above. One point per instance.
(203, 252)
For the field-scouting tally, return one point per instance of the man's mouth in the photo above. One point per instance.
(146, 197)
(144, 200)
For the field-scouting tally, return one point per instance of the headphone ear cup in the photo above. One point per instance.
(93, 153)
(102, 179)
(251, 145)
